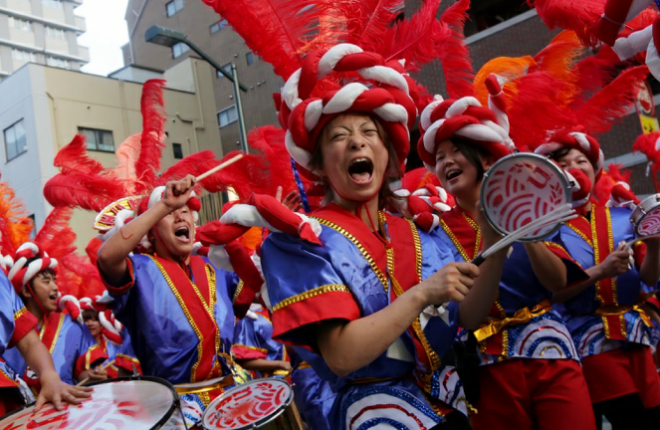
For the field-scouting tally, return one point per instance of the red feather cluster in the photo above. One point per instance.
(649, 145)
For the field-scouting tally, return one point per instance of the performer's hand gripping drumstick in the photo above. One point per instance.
(103, 368)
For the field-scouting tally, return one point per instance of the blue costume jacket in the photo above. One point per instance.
(351, 276)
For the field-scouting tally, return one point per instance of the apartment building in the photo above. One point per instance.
(42, 108)
(214, 36)
(42, 32)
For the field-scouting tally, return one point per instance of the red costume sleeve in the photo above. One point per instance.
(24, 321)
(122, 289)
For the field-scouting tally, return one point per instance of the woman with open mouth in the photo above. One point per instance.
(529, 374)
(363, 309)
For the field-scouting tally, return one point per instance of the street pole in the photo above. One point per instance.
(239, 110)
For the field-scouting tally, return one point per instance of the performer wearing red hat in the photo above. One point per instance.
(71, 346)
(176, 306)
(360, 306)
(606, 314)
(530, 376)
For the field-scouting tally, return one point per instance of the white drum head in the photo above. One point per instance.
(249, 405)
(129, 404)
(520, 188)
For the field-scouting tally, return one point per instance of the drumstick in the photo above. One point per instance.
(560, 214)
(105, 366)
(218, 167)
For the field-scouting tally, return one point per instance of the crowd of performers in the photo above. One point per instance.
(358, 287)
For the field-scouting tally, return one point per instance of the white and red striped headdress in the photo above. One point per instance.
(21, 272)
(308, 101)
(575, 139)
(468, 119)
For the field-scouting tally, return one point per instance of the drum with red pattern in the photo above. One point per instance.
(141, 403)
(259, 404)
(520, 188)
(646, 217)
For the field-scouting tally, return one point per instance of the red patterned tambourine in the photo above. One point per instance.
(249, 405)
(520, 188)
(646, 217)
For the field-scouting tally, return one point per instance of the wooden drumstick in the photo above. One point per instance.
(218, 167)
(86, 380)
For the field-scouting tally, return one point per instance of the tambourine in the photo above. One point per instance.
(645, 218)
(521, 188)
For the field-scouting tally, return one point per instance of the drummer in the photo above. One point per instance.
(176, 307)
(71, 346)
(529, 371)
(353, 307)
(607, 315)
(254, 348)
(111, 337)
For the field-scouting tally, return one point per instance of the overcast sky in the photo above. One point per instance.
(106, 33)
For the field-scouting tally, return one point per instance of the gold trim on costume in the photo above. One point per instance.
(330, 288)
(237, 293)
(381, 276)
(20, 313)
(253, 348)
(57, 332)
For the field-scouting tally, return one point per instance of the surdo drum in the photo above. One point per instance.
(521, 188)
(135, 403)
(258, 404)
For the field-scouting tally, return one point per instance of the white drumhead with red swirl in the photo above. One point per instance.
(134, 405)
(649, 225)
(248, 405)
(520, 188)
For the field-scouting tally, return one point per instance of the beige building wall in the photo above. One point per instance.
(73, 100)
(224, 46)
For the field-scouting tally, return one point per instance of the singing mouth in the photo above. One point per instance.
(361, 170)
(183, 234)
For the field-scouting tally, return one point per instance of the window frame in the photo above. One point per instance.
(174, 150)
(227, 109)
(249, 58)
(177, 6)
(81, 130)
(4, 136)
(184, 48)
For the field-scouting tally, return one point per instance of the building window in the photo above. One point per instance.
(58, 62)
(226, 68)
(33, 232)
(15, 141)
(177, 149)
(172, 7)
(21, 55)
(55, 33)
(217, 26)
(487, 14)
(227, 116)
(20, 24)
(179, 49)
(53, 4)
(98, 140)
(249, 58)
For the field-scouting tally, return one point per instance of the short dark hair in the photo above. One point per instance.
(89, 314)
(559, 153)
(474, 154)
(393, 173)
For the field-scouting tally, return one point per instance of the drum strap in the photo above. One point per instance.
(197, 301)
(597, 233)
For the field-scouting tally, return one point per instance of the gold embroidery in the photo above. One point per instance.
(596, 249)
(185, 310)
(331, 288)
(455, 240)
(253, 348)
(381, 276)
(237, 293)
(418, 248)
(554, 245)
(561, 353)
(210, 275)
(57, 333)
(579, 233)
(20, 313)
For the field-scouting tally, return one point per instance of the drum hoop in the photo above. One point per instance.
(553, 166)
(641, 207)
(280, 410)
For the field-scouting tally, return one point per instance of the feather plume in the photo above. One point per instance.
(369, 20)
(15, 226)
(507, 69)
(612, 102)
(649, 145)
(56, 236)
(413, 39)
(153, 121)
(454, 54)
(89, 192)
(278, 30)
(127, 156)
(576, 15)
(79, 277)
(603, 190)
(73, 158)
